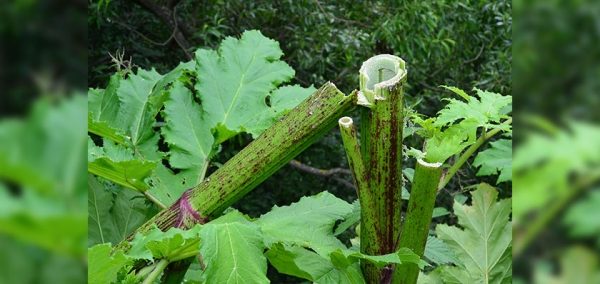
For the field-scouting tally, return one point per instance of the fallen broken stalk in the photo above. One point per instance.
(260, 159)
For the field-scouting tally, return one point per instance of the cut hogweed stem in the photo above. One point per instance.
(381, 89)
(359, 173)
(260, 159)
(418, 217)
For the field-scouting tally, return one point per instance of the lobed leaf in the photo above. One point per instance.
(113, 212)
(103, 265)
(173, 244)
(308, 222)
(483, 247)
(232, 249)
(496, 159)
(188, 135)
(235, 81)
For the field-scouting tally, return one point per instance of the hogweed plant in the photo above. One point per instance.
(156, 218)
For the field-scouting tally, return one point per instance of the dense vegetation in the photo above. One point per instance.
(465, 44)
(233, 84)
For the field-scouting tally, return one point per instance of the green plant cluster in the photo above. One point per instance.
(150, 139)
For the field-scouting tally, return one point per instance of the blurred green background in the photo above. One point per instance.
(556, 161)
(43, 190)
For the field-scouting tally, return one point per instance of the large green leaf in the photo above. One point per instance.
(113, 212)
(104, 267)
(103, 105)
(233, 252)
(129, 174)
(234, 82)
(438, 252)
(308, 222)
(496, 159)
(167, 186)
(303, 263)
(137, 112)
(341, 266)
(188, 135)
(483, 246)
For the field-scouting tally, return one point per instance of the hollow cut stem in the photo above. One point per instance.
(381, 88)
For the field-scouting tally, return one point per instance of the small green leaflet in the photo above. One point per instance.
(445, 143)
(167, 186)
(403, 255)
(456, 126)
(483, 248)
(104, 267)
(489, 108)
(235, 81)
(102, 129)
(308, 222)
(496, 159)
(117, 163)
(232, 249)
(173, 244)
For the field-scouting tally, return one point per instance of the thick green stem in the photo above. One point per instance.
(270, 151)
(468, 153)
(381, 82)
(418, 217)
(355, 161)
(160, 267)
